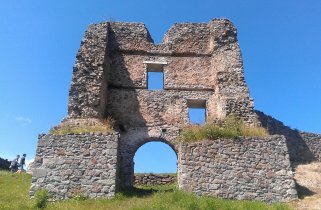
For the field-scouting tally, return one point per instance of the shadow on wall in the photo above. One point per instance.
(298, 149)
(123, 106)
(303, 191)
(122, 103)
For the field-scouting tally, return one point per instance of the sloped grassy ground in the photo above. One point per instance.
(14, 195)
(14, 191)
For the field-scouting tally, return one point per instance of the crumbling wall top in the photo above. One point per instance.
(181, 38)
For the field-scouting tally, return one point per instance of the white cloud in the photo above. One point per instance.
(23, 120)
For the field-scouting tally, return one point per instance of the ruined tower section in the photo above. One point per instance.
(201, 63)
(231, 92)
(87, 94)
(201, 67)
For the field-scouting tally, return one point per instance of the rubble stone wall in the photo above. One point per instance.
(134, 108)
(68, 165)
(203, 57)
(313, 142)
(303, 146)
(246, 168)
(87, 94)
(155, 179)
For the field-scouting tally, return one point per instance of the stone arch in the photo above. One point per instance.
(156, 139)
(131, 141)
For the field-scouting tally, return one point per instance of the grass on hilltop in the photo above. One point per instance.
(15, 187)
(230, 127)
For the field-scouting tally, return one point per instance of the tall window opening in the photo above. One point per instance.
(155, 80)
(155, 75)
(196, 111)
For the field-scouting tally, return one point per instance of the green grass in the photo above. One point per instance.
(14, 195)
(14, 191)
(230, 127)
(104, 126)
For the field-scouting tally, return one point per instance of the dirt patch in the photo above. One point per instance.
(308, 181)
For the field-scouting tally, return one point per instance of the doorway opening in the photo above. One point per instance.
(155, 166)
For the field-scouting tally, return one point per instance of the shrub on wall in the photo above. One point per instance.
(104, 126)
(230, 127)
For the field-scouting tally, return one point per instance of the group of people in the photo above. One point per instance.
(16, 164)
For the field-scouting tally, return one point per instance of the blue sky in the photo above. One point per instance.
(280, 43)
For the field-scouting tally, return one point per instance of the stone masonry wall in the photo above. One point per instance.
(246, 168)
(87, 94)
(155, 179)
(67, 165)
(140, 108)
(303, 146)
(203, 57)
(313, 142)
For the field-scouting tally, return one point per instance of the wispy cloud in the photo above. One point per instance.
(23, 120)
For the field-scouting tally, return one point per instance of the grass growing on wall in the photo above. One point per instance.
(15, 187)
(105, 126)
(231, 128)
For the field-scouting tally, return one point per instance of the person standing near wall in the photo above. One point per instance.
(22, 162)
(14, 164)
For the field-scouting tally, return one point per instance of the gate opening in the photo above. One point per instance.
(155, 157)
(155, 163)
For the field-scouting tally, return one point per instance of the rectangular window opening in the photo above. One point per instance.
(155, 80)
(197, 111)
(155, 76)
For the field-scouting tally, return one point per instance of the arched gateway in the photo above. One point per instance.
(127, 164)
(201, 67)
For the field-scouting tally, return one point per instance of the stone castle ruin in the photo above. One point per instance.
(202, 67)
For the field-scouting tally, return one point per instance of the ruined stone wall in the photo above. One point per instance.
(246, 168)
(313, 142)
(302, 146)
(88, 89)
(155, 179)
(137, 108)
(203, 57)
(127, 69)
(200, 61)
(68, 165)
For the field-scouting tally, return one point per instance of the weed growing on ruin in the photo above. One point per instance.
(104, 126)
(231, 127)
(41, 199)
(79, 195)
